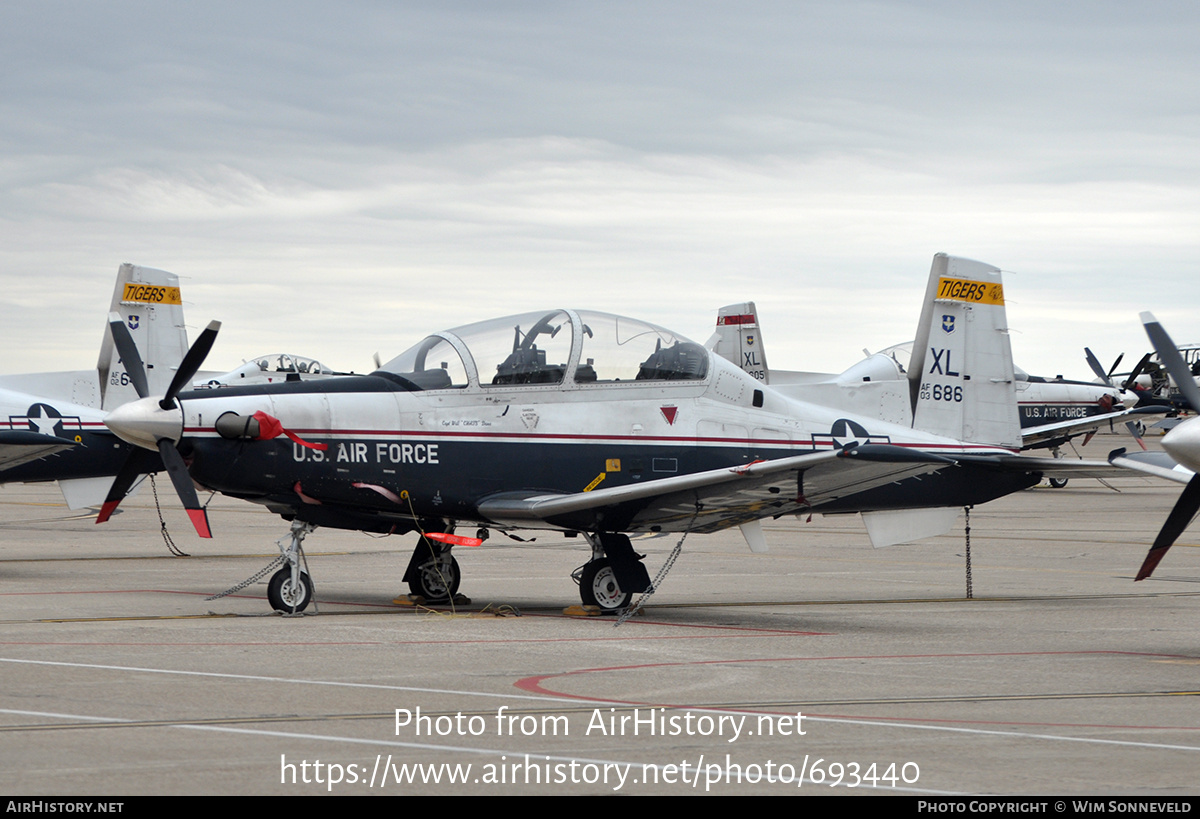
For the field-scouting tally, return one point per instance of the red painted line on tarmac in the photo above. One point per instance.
(534, 685)
(929, 721)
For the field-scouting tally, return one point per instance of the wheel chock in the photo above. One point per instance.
(416, 600)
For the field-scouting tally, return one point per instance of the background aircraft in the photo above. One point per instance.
(268, 369)
(595, 424)
(1052, 411)
(52, 424)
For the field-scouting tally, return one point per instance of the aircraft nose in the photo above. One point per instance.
(144, 422)
(1183, 444)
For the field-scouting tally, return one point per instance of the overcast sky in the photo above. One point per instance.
(339, 179)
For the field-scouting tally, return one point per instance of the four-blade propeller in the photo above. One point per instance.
(1107, 377)
(155, 423)
(1181, 443)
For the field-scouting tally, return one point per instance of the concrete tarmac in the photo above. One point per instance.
(1060, 675)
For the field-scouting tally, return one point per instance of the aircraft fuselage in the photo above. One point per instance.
(392, 456)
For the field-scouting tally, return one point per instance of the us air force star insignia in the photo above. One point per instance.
(846, 433)
(45, 419)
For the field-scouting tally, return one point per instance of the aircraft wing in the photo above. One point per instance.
(1048, 467)
(720, 498)
(18, 447)
(1077, 426)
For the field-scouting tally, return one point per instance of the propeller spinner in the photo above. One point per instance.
(1181, 443)
(156, 424)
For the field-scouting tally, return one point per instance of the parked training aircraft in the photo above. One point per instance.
(1051, 411)
(269, 369)
(607, 426)
(52, 424)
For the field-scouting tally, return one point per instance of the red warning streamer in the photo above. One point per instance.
(270, 427)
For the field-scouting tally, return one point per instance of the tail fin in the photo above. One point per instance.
(149, 302)
(961, 375)
(738, 339)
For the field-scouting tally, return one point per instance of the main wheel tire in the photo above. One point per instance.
(283, 596)
(1059, 483)
(598, 587)
(436, 579)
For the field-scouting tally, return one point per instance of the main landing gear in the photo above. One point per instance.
(614, 574)
(598, 586)
(433, 573)
(1058, 483)
(291, 589)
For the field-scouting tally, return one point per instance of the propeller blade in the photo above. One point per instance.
(191, 364)
(1094, 363)
(1185, 509)
(1132, 426)
(1131, 379)
(177, 469)
(1114, 366)
(1169, 355)
(139, 462)
(134, 366)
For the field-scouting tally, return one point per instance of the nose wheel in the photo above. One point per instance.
(288, 595)
(598, 587)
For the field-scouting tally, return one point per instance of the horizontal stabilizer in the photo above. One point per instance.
(1158, 464)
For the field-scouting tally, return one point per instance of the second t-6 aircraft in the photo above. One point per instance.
(606, 426)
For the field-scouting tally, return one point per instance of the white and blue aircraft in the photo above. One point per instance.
(591, 423)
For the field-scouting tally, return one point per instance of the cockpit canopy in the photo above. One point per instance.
(557, 347)
(285, 363)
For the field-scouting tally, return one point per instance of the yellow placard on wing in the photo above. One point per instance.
(970, 291)
(150, 294)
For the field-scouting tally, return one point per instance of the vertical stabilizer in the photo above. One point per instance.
(149, 302)
(738, 339)
(961, 374)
